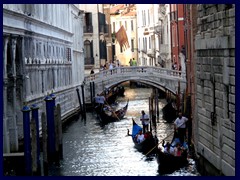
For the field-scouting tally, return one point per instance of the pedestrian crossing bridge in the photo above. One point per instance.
(157, 77)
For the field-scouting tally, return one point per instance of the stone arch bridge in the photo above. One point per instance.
(161, 78)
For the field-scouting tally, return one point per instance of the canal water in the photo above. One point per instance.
(90, 149)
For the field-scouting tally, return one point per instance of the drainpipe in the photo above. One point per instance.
(177, 35)
(171, 32)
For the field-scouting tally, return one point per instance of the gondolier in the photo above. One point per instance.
(145, 121)
(180, 126)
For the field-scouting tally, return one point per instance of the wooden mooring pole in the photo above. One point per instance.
(44, 144)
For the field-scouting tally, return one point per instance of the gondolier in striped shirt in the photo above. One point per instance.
(145, 121)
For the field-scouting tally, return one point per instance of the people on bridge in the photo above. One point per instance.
(134, 62)
(145, 121)
(130, 62)
(111, 66)
(118, 63)
(180, 127)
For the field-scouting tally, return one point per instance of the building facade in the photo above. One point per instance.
(96, 32)
(42, 53)
(124, 15)
(177, 35)
(214, 115)
(154, 47)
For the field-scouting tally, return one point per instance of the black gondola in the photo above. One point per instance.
(148, 145)
(169, 112)
(109, 115)
(168, 163)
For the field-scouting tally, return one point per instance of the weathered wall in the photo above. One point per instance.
(215, 93)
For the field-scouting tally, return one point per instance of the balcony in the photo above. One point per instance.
(87, 29)
(158, 29)
(151, 52)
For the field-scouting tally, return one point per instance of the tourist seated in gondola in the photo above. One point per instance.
(108, 110)
(178, 150)
(99, 99)
(147, 134)
(168, 149)
(139, 137)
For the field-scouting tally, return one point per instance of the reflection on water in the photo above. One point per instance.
(92, 150)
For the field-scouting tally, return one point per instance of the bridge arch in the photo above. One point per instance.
(158, 77)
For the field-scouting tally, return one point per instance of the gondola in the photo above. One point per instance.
(169, 112)
(110, 95)
(169, 163)
(148, 145)
(107, 115)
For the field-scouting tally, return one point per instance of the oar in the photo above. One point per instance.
(163, 140)
(158, 144)
(113, 111)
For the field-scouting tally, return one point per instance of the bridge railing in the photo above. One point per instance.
(135, 70)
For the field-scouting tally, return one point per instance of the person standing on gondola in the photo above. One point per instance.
(145, 121)
(180, 127)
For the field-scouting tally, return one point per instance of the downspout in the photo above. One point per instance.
(177, 35)
(170, 33)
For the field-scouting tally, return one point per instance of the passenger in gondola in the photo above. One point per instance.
(140, 137)
(168, 149)
(99, 100)
(178, 150)
(147, 134)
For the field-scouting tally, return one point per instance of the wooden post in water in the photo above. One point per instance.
(27, 140)
(157, 103)
(44, 143)
(83, 98)
(56, 158)
(35, 116)
(79, 99)
(91, 93)
(34, 146)
(60, 148)
(94, 93)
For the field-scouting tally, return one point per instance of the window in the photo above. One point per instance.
(150, 43)
(125, 25)
(114, 27)
(131, 25)
(148, 18)
(68, 54)
(132, 44)
(145, 43)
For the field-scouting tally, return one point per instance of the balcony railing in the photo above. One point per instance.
(158, 29)
(87, 29)
(151, 52)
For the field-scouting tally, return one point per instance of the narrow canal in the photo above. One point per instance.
(93, 150)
